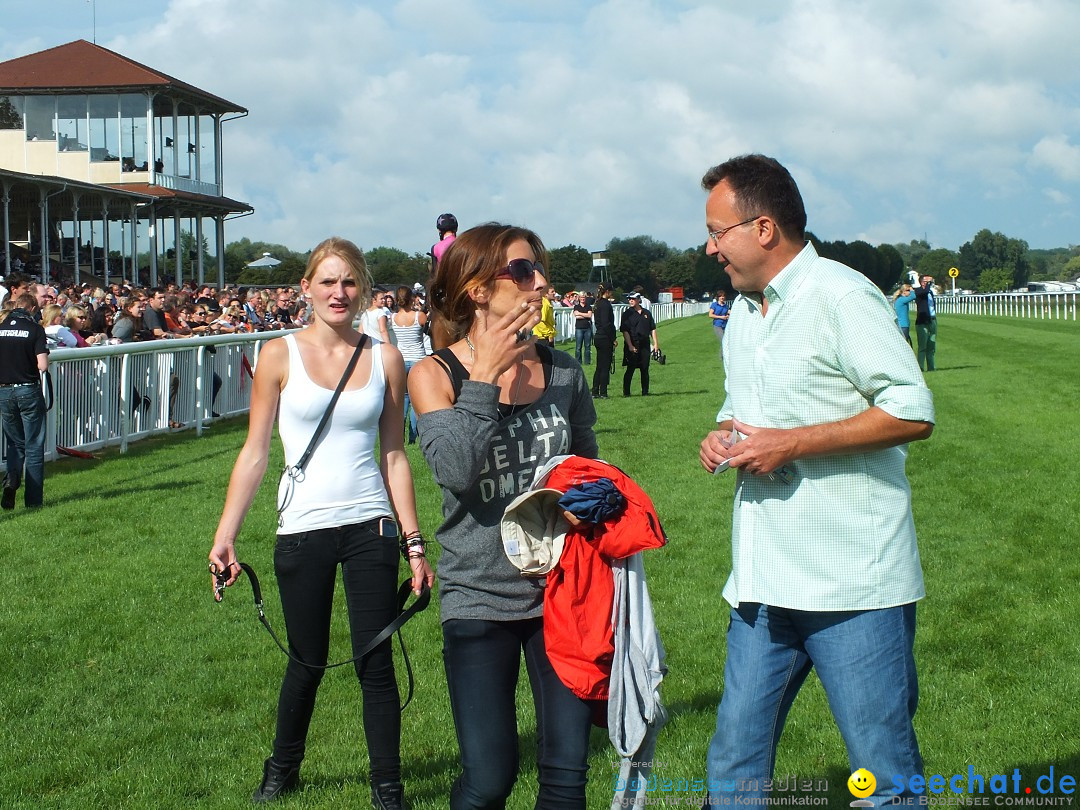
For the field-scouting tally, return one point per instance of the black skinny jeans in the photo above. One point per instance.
(482, 659)
(638, 360)
(605, 348)
(306, 567)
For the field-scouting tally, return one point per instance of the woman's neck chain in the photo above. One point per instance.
(522, 369)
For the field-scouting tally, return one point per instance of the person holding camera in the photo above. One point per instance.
(639, 340)
(339, 511)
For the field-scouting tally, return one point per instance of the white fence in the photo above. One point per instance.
(110, 396)
(1048, 305)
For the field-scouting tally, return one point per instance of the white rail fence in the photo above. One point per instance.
(1040, 305)
(110, 396)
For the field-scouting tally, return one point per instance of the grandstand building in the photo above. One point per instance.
(102, 156)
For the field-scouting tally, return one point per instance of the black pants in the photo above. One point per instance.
(605, 351)
(633, 361)
(482, 659)
(306, 567)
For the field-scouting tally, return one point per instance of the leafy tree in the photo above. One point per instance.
(913, 251)
(570, 265)
(676, 270)
(937, 263)
(1070, 269)
(631, 261)
(9, 116)
(709, 275)
(995, 250)
(391, 267)
(995, 279)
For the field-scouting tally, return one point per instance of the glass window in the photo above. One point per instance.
(133, 136)
(104, 127)
(40, 118)
(11, 109)
(166, 147)
(207, 157)
(71, 126)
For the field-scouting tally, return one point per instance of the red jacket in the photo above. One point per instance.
(578, 602)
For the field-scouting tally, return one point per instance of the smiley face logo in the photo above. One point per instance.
(861, 783)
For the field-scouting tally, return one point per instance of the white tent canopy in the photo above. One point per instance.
(266, 261)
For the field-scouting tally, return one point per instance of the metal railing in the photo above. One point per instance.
(1040, 305)
(110, 396)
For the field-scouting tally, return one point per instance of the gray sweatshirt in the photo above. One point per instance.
(482, 463)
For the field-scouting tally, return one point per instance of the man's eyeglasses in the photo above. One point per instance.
(717, 235)
(521, 271)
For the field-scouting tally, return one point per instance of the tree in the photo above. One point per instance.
(391, 267)
(995, 279)
(913, 251)
(570, 264)
(709, 275)
(10, 118)
(631, 260)
(988, 251)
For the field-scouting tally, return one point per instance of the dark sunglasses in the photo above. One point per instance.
(521, 271)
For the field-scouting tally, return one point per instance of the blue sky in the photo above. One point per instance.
(587, 121)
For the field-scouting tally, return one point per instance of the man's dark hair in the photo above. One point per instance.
(762, 187)
(16, 280)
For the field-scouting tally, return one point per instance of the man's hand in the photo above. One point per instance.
(763, 450)
(716, 448)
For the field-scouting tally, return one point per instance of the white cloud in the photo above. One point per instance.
(1055, 153)
(593, 120)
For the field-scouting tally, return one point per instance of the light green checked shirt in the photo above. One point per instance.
(840, 535)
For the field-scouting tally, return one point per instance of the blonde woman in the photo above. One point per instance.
(339, 513)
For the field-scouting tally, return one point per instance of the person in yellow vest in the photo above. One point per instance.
(545, 330)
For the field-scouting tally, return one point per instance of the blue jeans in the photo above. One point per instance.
(482, 659)
(583, 337)
(410, 414)
(306, 565)
(23, 412)
(864, 660)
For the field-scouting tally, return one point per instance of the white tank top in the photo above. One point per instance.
(341, 483)
(410, 339)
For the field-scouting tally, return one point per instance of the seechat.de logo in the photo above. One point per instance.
(861, 784)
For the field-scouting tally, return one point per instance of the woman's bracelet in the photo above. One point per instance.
(412, 546)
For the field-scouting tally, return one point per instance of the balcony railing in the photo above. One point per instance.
(175, 183)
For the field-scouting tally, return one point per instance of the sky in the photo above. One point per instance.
(591, 120)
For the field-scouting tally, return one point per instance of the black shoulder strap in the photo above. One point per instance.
(299, 466)
(453, 368)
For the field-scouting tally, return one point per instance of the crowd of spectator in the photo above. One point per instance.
(86, 315)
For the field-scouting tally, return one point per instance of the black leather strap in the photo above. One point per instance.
(299, 466)
(404, 614)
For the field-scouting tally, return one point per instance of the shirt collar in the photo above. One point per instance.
(787, 281)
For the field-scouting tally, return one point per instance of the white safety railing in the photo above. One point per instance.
(109, 396)
(1048, 305)
(112, 395)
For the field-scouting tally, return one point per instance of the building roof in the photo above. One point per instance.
(81, 67)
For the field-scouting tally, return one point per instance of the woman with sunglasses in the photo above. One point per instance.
(493, 406)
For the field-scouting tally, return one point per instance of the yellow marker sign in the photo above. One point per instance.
(861, 783)
(953, 272)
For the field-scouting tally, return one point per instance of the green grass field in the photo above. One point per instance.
(122, 684)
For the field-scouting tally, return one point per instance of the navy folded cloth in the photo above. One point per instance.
(593, 501)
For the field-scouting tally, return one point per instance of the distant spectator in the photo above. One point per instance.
(128, 327)
(77, 320)
(57, 336)
(545, 330)
(901, 299)
(154, 313)
(719, 311)
(447, 225)
(408, 325)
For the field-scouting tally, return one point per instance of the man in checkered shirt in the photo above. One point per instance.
(822, 397)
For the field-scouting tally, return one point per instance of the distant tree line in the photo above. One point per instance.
(990, 262)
